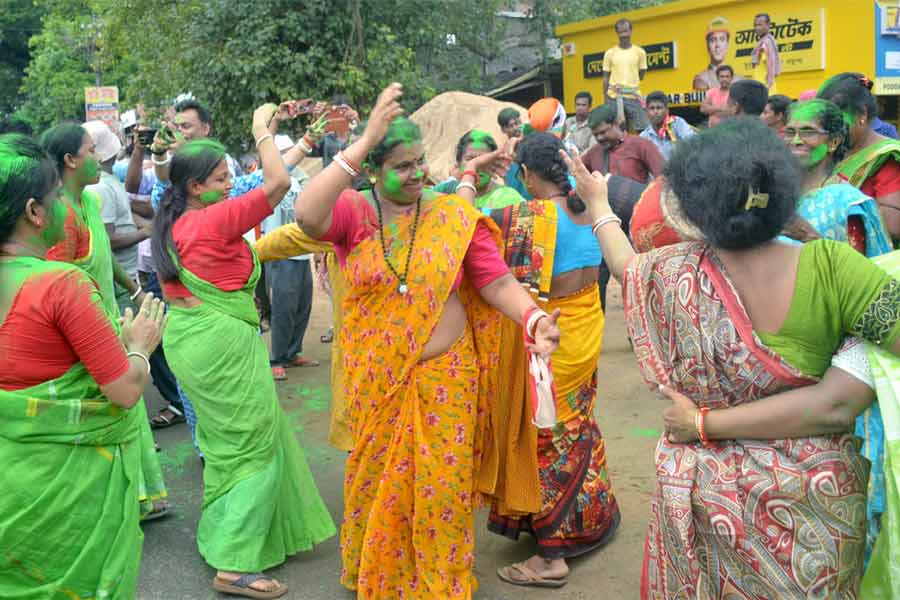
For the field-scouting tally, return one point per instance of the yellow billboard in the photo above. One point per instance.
(690, 38)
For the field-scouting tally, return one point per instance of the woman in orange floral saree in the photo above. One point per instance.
(420, 343)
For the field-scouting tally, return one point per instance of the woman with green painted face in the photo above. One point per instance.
(426, 291)
(873, 161)
(85, 243)
(260, 502)
(69, 381)
(477, 152)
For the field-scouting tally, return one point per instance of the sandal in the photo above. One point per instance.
(166, 418)
(241, 586)
(159, 510)
(522, 574)
(302, 361)
(278, 373)
(327, 338)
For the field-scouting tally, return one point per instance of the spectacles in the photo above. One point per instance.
(806, 134)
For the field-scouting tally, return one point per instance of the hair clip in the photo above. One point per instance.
(756, 199)
(865, 82)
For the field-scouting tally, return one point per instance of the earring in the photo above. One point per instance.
(373, 180)
(39, 223)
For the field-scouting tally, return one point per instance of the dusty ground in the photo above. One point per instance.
(628, 415)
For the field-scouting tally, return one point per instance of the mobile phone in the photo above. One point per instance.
(340, 119)
(145, 136)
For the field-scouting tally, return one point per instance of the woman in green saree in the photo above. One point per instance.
(69, 519)
(260, 502)
(490, 192)
(873, 162)
(85, 244)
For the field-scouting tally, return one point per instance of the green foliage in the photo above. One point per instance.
(19, 20)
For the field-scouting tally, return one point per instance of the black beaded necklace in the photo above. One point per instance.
(403, 288)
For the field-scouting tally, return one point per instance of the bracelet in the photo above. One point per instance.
(155, 153)
(141, 356)
(469, 172)
(350, 163)
(532, 316)
(699, 422)
(264, 138)
(304, 147)
(160, 163)
(138, 292)
(466, 185)
(604, 220)
(342, 162)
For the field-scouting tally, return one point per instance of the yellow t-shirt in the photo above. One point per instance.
(623, 66)
(761, 72)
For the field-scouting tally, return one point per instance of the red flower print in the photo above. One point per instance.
(428, 491)
(355, 514)
(431, 532)
(432, 419)
(414, 582)
(447, 515)
(451, 556)
(450, 459)
(403, 466)
(391, 501)
(440, 393)
(424, 451)
(452, 373)
(464, 497)
(457, 587)
(537, 261)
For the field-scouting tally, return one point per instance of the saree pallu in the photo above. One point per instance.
(420, 429)
(260, 501)
(285, 242)
(97, 262)
(69, 520)
(742, 518)
(858, 167)
(578, 511)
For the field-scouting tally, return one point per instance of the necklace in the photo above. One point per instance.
(403, 288)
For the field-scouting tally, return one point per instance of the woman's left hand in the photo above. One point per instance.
(680, 417)
(546, 335)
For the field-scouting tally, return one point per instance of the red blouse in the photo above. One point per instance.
(886, 180)
(57, 320)
(354, 220)
(211, 245)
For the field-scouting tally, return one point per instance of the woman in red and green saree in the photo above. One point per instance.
(873, 162)
(85, 244)
(420, 360)
(69, 517)
(726, 321)
(549, 247)
(260, 502)
(490, 191)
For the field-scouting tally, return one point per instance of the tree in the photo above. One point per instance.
(19, 20)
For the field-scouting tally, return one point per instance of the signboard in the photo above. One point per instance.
(801, 41)
(102, 104)
(659, 56)
(887, 48)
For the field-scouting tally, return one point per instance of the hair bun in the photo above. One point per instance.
(866, 83)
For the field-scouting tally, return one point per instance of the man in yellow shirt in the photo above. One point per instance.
(624, 67)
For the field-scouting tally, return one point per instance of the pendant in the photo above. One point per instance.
(403, 289)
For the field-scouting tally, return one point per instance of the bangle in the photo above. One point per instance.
(699, 422)
(157, 152)
(343, 163)
(604, 220)
(264, 138)
(469, 172)
(137, 292)
(142, 357)
(304, 147)
(532, 316)
(466, 185)
(355, 167)
(160, 163)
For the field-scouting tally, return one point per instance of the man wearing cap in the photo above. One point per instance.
(124, 233)
(718, 37)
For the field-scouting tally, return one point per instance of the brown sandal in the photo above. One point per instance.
(521, 574)
(241, 586)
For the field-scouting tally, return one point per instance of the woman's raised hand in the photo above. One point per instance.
(680, 417)
(142, 332)
(591, 187)
(262, 116)
(387, 108)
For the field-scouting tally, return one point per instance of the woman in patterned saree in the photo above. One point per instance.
(873, 161)
(420, 341)
(85, 244)
(550, 249)
(69, 518)
(260, 502)
(726, 321)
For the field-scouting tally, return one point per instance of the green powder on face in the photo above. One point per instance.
(211, 196)
(392, 182)
(56, 220)
(89, 168)
(196, 147)
(817, 155)
(483, 179)
(481, 140)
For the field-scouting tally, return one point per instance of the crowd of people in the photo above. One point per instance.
(755, 255)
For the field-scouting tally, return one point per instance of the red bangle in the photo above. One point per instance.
(469, 172)
(350, 162)
(701, 427)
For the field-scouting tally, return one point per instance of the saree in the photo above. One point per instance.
(84, 219)
(69, 517)
(285, 242)
(858, 167)
(574, 510)
(260, 502)
(829, 208)
(741, 518)
(882, 579)
(420, 428)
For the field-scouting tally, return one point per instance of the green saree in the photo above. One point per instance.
(260, 502)
(98, 264)
(69, 520)
(858, 167)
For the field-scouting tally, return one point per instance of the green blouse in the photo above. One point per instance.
(838, 292)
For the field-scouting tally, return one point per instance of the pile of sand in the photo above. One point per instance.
(443, 120)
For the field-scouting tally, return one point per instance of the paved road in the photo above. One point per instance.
(172, 569)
